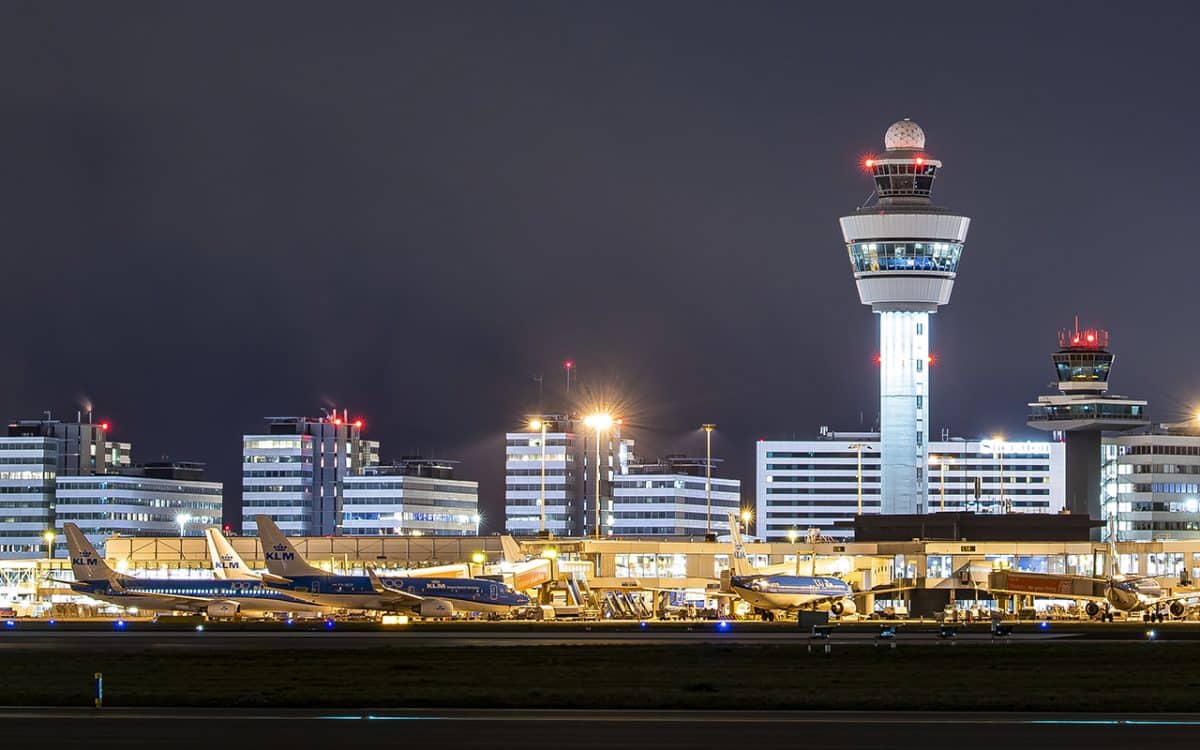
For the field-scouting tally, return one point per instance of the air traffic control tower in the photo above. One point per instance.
(904, 252)
(1082, 412)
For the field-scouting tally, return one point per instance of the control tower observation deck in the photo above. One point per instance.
(904, 252)
(1083, 412)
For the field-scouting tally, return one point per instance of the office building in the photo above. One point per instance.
(814, 484)
(293, 471)
(415, 496)
(904, 252)
(560, 470)
(670, 498)
(54, 472)
(1082, 411)
(1151, 485)
(28, 467)
(154, 499)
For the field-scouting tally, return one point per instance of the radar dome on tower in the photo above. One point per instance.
(904, 134)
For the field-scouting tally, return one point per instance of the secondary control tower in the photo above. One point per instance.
(1083, 412)
(904, 251)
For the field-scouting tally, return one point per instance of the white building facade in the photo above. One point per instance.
(1152, 483)
(293, 472)
(28, 468)
(807, 484)
(413, 497)
(670, 498)
(129, 504)
(562, 471)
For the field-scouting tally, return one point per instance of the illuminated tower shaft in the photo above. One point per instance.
(904, 252)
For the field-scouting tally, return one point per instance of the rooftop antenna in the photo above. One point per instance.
(540, 380)
(569, 365)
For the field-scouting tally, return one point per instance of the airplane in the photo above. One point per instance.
(1129, 594)
(216, 598)
(427, 597)
(769, 592)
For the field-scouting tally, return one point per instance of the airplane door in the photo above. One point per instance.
(495, 590)
(314, 587)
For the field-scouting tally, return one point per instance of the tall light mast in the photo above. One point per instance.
(904, 252)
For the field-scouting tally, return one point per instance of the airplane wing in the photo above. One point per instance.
(386, 590)
(1193, 594)
(1047, 594)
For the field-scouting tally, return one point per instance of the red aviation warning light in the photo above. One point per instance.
(359, 423)
(879, 359)
(929, 360)
(919, 160)
(105, 426)
(337, 421)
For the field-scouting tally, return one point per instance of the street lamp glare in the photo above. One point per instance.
(599, 421)
(535, 424)
(747, 516)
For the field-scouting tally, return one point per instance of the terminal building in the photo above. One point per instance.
(818, 484)
(671, 498)
(415, 496)
(549, 484)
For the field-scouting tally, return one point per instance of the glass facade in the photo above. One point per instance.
(1082, 367)
(867, 257)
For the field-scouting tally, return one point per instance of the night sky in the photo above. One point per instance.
(215, 212)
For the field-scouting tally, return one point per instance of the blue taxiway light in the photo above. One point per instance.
(119, 624)
(10, 623)
(1044, 625)
(723, 625)
(329, 624)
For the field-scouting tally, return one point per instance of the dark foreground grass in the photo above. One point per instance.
(1079, 677)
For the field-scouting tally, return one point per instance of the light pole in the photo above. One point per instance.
(540, 424)
(708, 430)
(747, 517)
(479, 559)
(600, 423)
(998, 453)
(859, 447)
(49, 536)
(942, 460)
(182, 519)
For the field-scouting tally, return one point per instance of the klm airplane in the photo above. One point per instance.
(769, 592)
(213, 597)
(427, 597)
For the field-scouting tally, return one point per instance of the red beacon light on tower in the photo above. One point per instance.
(1088, 338)
(105, 426)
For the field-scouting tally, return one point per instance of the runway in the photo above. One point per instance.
(108, 728)
(304, 640)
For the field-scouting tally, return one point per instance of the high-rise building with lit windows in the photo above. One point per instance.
(54, 472)
(566, 462)
(293, 472)
(904, 252)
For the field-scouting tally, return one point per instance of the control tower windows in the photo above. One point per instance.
(1083, 367)
(904, 179)
(867, 257)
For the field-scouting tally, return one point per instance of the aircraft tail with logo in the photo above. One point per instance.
(86, 562)
(282, 558)
(227, 563)
(738, 564)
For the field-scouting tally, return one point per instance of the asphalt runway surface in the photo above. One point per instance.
(303, 640)
(176, 728)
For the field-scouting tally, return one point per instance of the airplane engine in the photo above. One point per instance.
(436, 608)
(843, 607)
(1092, 609)
(222, 610)
(1178, 609)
